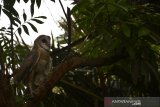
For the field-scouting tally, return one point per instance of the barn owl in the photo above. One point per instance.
(37, 65)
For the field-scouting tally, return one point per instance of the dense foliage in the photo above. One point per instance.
(99, 28)
(130, 28)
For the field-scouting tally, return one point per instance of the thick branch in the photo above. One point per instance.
(64, 67)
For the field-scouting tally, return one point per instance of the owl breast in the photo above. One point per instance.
(41, 71)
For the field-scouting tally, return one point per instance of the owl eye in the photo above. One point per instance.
(44, 41)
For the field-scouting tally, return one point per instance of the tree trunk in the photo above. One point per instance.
(6, 96)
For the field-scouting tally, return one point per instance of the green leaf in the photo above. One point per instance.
(25, 1)
(53, 0)
(120, 6)
(33, 27)
(32, 7)
(19, 31)
(97, 12)
(11, 10)
(17, 20)
(126, 30)
(38, 3)
(2, 29)
(7, 13)
(15, 24)
(25, 29)
(43, 17)
(38, 21)
(143, 31)
(14, 12)
(9, 2)
(9, 16)
(24, 16)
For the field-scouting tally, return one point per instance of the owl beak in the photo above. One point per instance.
(49, 45)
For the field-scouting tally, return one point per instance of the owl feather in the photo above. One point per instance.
(37, 65)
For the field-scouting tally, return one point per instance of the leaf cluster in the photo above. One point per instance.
(100, 28)
(118, 26)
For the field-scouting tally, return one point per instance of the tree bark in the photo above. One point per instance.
(64, 67)
(6, 96)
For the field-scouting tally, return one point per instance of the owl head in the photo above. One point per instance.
(43, 41)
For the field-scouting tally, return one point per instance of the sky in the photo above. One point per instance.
(52, 10)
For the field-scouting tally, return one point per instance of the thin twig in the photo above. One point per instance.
(12, 46)
(69, 28)
(77, 42)
(63, 8)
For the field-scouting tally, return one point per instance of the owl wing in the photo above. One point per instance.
(26, 66)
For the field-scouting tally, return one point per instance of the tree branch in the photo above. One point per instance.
(7, 99)
(63, 8)
(12, 45)
(64, 67)
(77, 42)
(69, 28)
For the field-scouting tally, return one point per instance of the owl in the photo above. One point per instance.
(37, 65)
